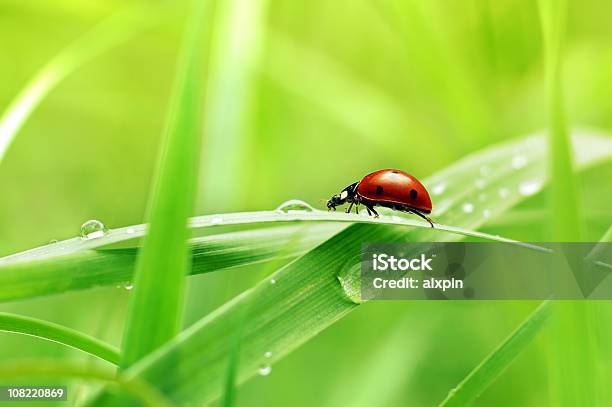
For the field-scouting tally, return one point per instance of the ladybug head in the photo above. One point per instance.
(347, 194)
(334, 201)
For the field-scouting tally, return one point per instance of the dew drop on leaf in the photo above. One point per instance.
(128, 286)
(272, 281)
(486, 213)
(529, 188)
(92, 229)
(350, 280)
(439, 188)
(468, 207)
(268, 355)
(519, 161)
(294, 206)
(265, 370)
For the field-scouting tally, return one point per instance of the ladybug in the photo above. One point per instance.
(390, 188)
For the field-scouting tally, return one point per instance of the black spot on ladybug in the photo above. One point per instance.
(395, 172)
(379, 190)
(413, 194)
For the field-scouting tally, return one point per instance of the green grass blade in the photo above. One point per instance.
(573, 360)
(59, 334)
(238, 33)
(563, 196)
(106, 35)
(76, 264)
(493, 365)
(59, 369)
(162, 263)
(307, 295)
(60, 268)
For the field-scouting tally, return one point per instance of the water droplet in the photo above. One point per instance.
(130, 231)
(486, 213)
(439, 189)
(468, 207)
(268, 355)
(294, 206)
(272, 281)
(503, 192)
(528, 188)
(265, 370)
(92, 229)
(484, 170)
(128, 286)
(519, 161)
(350, 279)
(216, 220)
(480, 183)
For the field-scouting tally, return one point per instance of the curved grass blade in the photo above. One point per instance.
(493, 365)
(56, 333)
(59, 369)
(75, 264)
(106, 35)
(55, 269)
(307, 296)
(162, 263)
(572, 325)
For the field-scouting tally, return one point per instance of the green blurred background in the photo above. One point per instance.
(304, 98)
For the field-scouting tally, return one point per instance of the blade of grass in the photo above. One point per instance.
(306, 298)
(229, 112)
(162, 263)
(74, 264)
(563, 191)
(60, 334)
(493, 365)
(59, 369)
(108, 34)
(57, 269)
(229, 390)
(574, 380)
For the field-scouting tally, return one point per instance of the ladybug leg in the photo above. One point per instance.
(349, 208)
(371, 209)
(423, 216)
(357, 208)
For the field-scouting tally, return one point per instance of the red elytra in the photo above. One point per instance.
(389, 188)
(395, 186)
